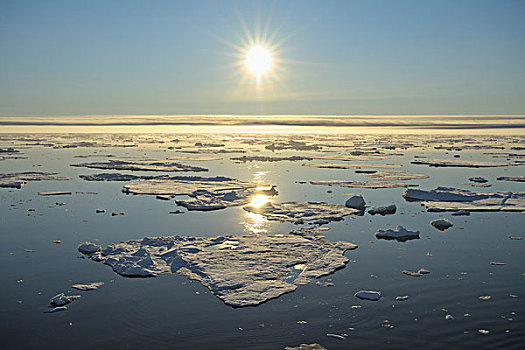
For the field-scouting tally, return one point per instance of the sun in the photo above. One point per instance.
(259, 60)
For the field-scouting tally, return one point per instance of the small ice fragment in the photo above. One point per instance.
(356, 202)
(483, 331)
(441, 224)
(478, 179)
(368, 295)
(335, 336)
(461, 212)
(88, 286)
(411, 273)
(55, 309)
(384, 210)
(485, 297)
(400, 234)
(313, 346)
(54, 193)
(88, 248)
(62, 299)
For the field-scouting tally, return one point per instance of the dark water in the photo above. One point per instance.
(172, 312)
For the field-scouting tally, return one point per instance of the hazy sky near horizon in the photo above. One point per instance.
(336, 57)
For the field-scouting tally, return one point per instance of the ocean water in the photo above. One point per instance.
(170, 311)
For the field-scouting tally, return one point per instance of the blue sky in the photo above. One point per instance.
(338, 57)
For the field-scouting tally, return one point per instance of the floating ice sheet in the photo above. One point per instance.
(362, 184)
(393, 175)
(399, 234)
(141, 164)
(17, 180)
(512, 178)
(300, 212)
(240, 270)
(459, 163)
(185, 185)
(454, 199)
(348, 166)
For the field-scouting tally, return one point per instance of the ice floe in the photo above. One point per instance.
(185, 185)
(368, 295)
(356, 202)
(62, 299)
(512, 178)
(292, 145)
(314, 346)
(118, 177)
(300, 212)
(454, 199)
(54, 193)
(88, 286)
(399, 234)
(441, 224)
(240, 270)
(362, 184)
(478, 179)
(383, 210)
(476, 184)
(17, 180)
(88, 248)
(393, 175)
(244, 159)
(142, 165)
(348, 166)
(459, 163)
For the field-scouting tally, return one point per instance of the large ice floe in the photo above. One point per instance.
(240, 270)
(300, 212)
(17, 180)
(459, 163)
(119, 177)
(453, 199)
(362, 184)
(141, 164)
(185, 185)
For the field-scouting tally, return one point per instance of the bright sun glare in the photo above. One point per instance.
(259, 60)
(259, 200)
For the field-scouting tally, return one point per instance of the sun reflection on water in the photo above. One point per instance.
(259, 200)
(255, 223)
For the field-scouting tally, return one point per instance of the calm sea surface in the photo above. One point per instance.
(172, 312)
